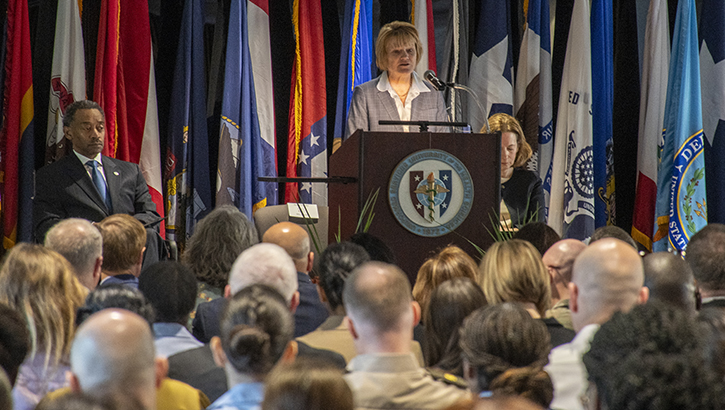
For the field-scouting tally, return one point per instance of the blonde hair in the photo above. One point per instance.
(506, 123)
(123, 240)
(451, 262)
(40, 284)
(512, 271)
(396, 33)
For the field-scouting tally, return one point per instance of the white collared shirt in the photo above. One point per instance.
(84, 159)
(416, 87)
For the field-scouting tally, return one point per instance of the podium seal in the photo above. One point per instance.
(430, 193)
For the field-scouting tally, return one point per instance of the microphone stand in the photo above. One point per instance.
(457, 86)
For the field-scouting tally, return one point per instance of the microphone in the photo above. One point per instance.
(431, 77)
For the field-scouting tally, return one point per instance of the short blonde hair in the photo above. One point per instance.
(451, 262)
(396, 33)
(506, 123)
(41, 285)
(512, 271)
(123, 240)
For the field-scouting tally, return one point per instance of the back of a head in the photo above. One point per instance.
(116, 296)
(561, 256)
(375, 247)
(124, 238)
(81, 401)
(113, 354)
(508, 350)
(507, 403)
(706, 256)
(669, 280)
(78, 241)
(512, 271)
(256, 327)
(612, 231)
(14, 341)
(450, 303)
(451, 262)
(336, 263)
(40, 285)
(293, 238)
(652, 358)
(266, 264)
(218, 239)
(379, 295)
(171, 289)
(539, 234)
(307, 384)
(609, 277)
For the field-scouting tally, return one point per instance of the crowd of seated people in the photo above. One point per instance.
(272, 325)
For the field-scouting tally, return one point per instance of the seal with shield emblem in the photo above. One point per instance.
(430, 193)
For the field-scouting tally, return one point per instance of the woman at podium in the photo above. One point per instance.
(398, 93)
(522, 196)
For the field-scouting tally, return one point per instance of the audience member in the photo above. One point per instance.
(81, 244)
(451, 262)
(714, 320)
(539, 234)
(607, 277)
(40, 285)
(375, 247)
(6, 395)
(381, 315)
(559, 260)
(307, 385)
(450, 304)
(14, 341)
(497, 403)
(80, 401)
(652, 358)
(504, 353)
(113, 356)
(218, 239)
(296, 242)
(706, 257)
(669, 280)
(124, 238)
(256, 333)
(512, 271)
(612, 231)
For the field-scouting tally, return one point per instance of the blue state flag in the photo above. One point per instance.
(602, 107)
(357, 60)
(491, 71)
(681, 208)
(243, 154)
(188, 188)
(712, 75)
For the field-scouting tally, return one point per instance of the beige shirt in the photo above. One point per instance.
(560, 311)
(387, 381)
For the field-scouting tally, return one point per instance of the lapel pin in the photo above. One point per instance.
(115, 173)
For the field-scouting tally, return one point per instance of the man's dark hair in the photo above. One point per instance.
(116, 296)
(611, 231)
(14, 341)
(669, 280)
(706, 256)
(652, 358)
(70, 112)
(375, 247)
(336, 263)
(539, 234)
(171, 289)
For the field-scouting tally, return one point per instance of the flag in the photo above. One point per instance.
(68, 75)
(150, 156)
(681, 208)
(357, 60)
(307, 144)
(651, 117)
(16, 142)
(532, 100)
(106, 79)
(491, 74)
(712, 74)
(186, 170)
(243, 154)
(422, 18)
(452, 58)
(602, 106)
(571, 209)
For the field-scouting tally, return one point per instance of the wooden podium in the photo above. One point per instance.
(372, 158)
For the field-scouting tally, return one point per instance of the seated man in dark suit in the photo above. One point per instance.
(88, 185)
(294, 240)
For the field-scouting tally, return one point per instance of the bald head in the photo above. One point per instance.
(669, 280)
(113, 355)
(81, 244)
(607, 277)
(293, 239)
(560, 258)
(265, 264)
